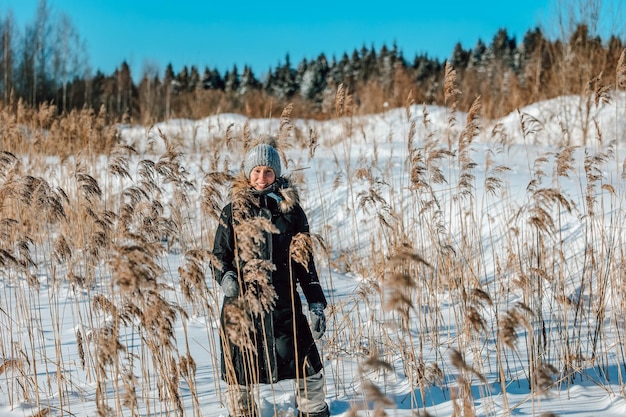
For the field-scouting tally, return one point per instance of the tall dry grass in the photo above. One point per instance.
(531, 258)
(83, 214)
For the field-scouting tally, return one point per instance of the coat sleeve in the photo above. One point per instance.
(224, 246)
(309, 280)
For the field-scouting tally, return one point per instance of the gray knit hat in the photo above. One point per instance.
(262, 154)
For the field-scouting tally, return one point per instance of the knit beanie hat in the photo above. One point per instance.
(262, 154)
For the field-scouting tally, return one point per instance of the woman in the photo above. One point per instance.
(264, 333)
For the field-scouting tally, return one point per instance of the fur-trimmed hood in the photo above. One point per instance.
(283, 188)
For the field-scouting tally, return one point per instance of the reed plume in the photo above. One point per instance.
(620, 71)
(10, 364)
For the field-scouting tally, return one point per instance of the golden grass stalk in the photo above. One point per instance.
(620, 71)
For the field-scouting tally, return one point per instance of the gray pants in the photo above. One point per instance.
(310, 397)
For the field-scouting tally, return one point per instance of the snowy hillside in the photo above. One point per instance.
(470, 271)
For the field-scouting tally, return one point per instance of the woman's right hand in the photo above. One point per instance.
(230, 285)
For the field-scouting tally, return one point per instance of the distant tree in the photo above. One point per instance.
(168, 80)
(425, 68)
(194, 79)
(181, 81)
(231, 80)
(535, 60)
(68, 57)
(334, 74)
(532, 42)
(98, 82)
(49, 55)
(427, 74)
(149, 94)
(283, 84)
(312, 81)
(387, 60)
(477, 56)
(300, 70)
(268, 80)
(356, 67)
(368, 63)
(24, 80)
(7, 33)
(41, 33)
(459, 58)
(212, 80)
(248, 81)
(504, 47)
(124, 90)
(79, 93)
(581, 38)
(343, 71)
(615, 46)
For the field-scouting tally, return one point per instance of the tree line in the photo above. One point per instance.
(46, 62)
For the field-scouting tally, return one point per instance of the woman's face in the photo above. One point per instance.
(262, 177)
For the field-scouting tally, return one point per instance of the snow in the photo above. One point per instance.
(360, 322)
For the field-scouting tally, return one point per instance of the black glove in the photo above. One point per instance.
(230, 285)
(318, 320)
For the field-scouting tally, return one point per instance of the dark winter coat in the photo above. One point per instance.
(280, 344)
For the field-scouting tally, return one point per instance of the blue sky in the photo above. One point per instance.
(223, 33)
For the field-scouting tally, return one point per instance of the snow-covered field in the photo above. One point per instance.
(503, 214)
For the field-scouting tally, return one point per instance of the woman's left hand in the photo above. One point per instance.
(318, 320)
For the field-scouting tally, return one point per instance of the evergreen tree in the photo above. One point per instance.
(531, 55)
(582, 41)
(532, 42)
(313, 80)
(231, 80)
(168, 87)
(460, 57)
(477, 56)
(284, 81)
(299, 73)
(344, 71)
(615, 46)
(356, 68)
(181, 82)
(426, 68)
(504, 48)
(248, 81)
(97, 90)
(212, 80)
(386, 66)
(124, 89)
(194, 79)
(368, 63)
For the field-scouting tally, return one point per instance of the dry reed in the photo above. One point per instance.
(442, 288)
